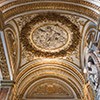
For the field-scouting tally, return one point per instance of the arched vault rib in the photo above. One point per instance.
(51, 68)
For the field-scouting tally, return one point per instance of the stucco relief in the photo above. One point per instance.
(49, 37)
(28, 56)
(49, 88)
(22, 20)
(77, 20)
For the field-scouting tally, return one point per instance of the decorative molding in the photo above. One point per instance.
(88, 92)
(37, 72)
(3, 64)
(49, 67)
(12, 45)
(6, 83)
(28, 56)
(49, 88)
(1, 21)
(86, 8)
(14, 3)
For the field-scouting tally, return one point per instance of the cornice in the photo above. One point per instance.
(5, 5)
(78, 6)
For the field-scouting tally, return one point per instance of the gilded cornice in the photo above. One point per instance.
(76, 6)
(86, 3)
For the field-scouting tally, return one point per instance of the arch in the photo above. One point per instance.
(48, 87)
(51, 69)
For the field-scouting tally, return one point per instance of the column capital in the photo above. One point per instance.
(6, 83)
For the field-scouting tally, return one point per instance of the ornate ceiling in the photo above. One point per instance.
(43, 44)
(49, 35)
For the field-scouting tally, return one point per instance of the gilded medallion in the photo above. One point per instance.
(49, 35)
(50, 38)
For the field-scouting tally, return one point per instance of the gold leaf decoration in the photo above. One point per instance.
(50, 19)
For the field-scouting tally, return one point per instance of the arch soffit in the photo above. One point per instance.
(32, 72)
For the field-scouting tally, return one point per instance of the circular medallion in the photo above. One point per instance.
(49, 37)
(50, 34)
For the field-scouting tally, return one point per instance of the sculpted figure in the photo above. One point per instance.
(93, 74)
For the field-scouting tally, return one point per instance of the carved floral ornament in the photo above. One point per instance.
(50, 34)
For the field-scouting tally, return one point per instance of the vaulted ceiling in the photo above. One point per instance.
(42, 47)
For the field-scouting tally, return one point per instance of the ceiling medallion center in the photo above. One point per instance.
(49, 37)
